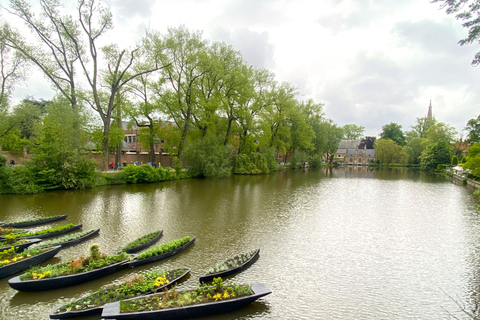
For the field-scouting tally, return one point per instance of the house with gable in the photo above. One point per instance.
(355, 152)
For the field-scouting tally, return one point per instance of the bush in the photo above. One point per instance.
(315, 162)
(254, 163)
(208, 157)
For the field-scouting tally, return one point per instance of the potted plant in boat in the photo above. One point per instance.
(131, 286)
(230, 266)
(202, 301)
(73, 272)
(50, 232)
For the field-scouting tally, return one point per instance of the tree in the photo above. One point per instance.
(12, 69)
(473, 129)
(473, 160)
(469, 12)
(435, 154)
(393, 131)
(184, 49)
(389, 152)
(420, 128)
(353, 131)
(441, 132)
(414, 149)
(367, 143)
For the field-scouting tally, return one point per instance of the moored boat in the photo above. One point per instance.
(73, 272)
(26, 262)
(21, 244)
(69, 240)
(230, 266)
(50, 234)
(93, 303)
(139, 244)
(113, 310)
(139, 260)
(33, 222)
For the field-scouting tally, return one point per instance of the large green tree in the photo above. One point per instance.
(435, 154)
(389, 152)
(393, 131)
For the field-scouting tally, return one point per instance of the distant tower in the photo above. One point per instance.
(429, 114)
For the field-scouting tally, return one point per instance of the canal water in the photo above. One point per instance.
(350, 243)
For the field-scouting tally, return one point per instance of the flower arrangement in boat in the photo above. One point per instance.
(62, 240)
(232, 263)
(44, 231)
(164, 248)
(10, 256)
(142, 240)
(173, 299)
(93, 261)
(131, 286)
(8, 231)
(11, 240)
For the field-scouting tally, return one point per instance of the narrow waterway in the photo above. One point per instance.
(345, 244)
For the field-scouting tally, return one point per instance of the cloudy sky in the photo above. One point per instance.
(371, 62)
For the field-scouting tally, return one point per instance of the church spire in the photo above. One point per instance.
(429, 114)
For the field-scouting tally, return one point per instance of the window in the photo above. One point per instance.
(130, 138)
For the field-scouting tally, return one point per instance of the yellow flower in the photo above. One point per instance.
(217, 296)
(226, 295)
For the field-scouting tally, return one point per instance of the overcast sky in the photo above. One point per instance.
(371, 62)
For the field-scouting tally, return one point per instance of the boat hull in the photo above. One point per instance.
(145, 245)
(112, 310)
(64, 281)
(25, 224)
(210, 277)
(136, 263)
(21, 247)
(25, 263)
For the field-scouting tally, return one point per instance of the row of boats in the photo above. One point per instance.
(107, 305)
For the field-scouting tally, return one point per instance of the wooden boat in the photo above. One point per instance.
(25, 263)
(112, 310)
(65, 281)
(135, 262)
(33, 222)
(55, 233)
(234, 269)
(144, 245)
(97, 309)
(67, 243)
(20, 247)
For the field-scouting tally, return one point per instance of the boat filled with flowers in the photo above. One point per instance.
(64, 274)
(143, 242)
(69, 239)
(12, 262)
(33, 222)
(163, 251)
(205, 300)
(132, 286)
(230, 266)
(19, 244)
